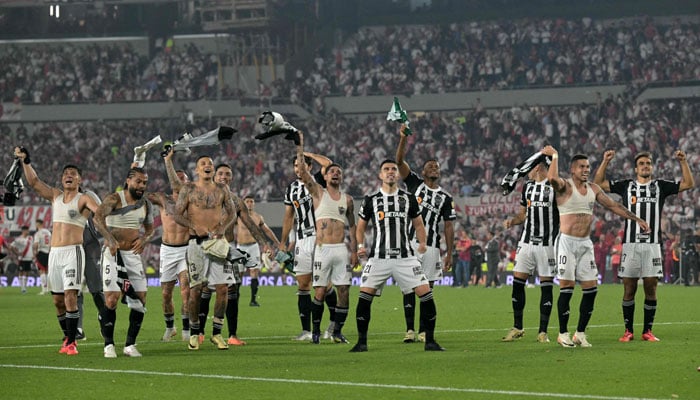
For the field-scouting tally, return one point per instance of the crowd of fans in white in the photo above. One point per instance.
(485, 55)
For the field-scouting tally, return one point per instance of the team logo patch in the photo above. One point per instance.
(364, 279)
(108, 282)
(593, 265)
(72, 213)
(316, 277)
(341, 210)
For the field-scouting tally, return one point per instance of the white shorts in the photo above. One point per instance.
(331, 264)
(529, 257)
(254, 251)
(304, 255)
(430, 261)
(641, 260)
(575, 260)
(131, 263)
(66, 268)
(204, 269)
(407, 272)
(173, 261)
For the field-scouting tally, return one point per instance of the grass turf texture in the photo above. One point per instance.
(471, 322)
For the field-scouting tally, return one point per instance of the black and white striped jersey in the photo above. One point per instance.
(646, 201)
(298, 196)
(391, 215)
(542, 216)
(436, 205)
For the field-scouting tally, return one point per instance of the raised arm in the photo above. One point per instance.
(305, 176)
(175, 182)
(33, 180)
(599, 177)
(687, 180)
(553, 177)
(323, 161)
(404, 168)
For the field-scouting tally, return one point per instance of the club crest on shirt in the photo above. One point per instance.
(341, 210)
(73, 213)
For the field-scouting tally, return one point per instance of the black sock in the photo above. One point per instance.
(194, 328)
(135, 321)
(518, 301)
(217, 325)
(341, 314)
(586, 308)
(409, 310)
(628, 314)
(316, 314)
(62, 322)
(649, 314)
(546, 302)
(72, 318)
(363, 314)
(80, 310)
(185, 323)
(563, 308)
(331, 300)
(428, 315)
(99, 300)
(254, 283)
(109, 318)
(204, 300)
(232, 311)
(304, 305)
(169, 320)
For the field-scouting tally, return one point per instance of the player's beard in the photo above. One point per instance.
(135, 194)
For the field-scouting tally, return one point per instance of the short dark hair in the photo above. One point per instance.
(430, 160)
(39, 221)
(223, 165)
(249, 196)
(333, 165)
(200, 157)
(577, 157)
(387, 161)
(641, 155)
(75, 167)
(25, 227)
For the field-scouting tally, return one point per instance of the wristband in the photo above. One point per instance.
(555, 156)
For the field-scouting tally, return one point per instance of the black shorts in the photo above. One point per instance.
(25, 266)
(42, 261)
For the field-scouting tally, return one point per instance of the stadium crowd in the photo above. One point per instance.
(484, 55)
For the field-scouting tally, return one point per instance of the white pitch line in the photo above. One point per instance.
(332, 383)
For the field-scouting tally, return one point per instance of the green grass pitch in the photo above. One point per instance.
(471, 322)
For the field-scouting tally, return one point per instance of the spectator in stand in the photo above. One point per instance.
(616, 258)
(461, 268)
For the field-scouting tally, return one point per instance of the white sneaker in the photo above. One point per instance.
(186, 336)
(328, 334)
(303, 336)
(580, 339)
(565, 340)
(169, 334)
(131, 351)
(110, 352)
